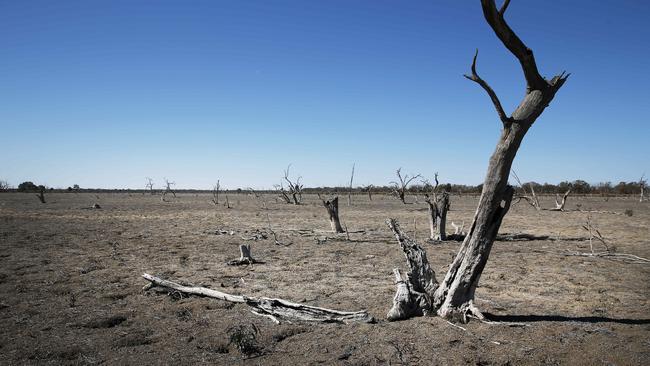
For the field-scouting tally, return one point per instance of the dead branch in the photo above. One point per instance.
(559, 205)
(531, 198)
(277, 308)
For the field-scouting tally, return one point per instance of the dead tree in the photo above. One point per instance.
(149, 185)
(350, 188)
(215, 193)
(642, 185)
(559, 205)
(332, 207)
(453, 298)
(168, 189)
(41, 194)
(369, 190)
(438, 206)
(399, 188)
(282, 193)
(4, 185)
(294, 194)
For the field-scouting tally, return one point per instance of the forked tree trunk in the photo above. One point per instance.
(332, 207)
(454, 298)
(559, 205)
(438, 208)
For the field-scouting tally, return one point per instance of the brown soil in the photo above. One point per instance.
(70, 285)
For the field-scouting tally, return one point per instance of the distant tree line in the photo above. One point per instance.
(577, 187)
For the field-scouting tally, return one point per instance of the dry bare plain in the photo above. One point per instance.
(71, 286)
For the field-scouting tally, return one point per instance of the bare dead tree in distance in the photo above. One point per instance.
(350, 188)
(149, 185)
(215, 193)
(294, 194)
(168, 189)
(642, 185)
(438, 206)
(453, 298)
(41, 194)
(399, 188)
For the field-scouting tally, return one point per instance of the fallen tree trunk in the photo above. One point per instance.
(275, 309)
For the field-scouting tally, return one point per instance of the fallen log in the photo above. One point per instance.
(275, 309)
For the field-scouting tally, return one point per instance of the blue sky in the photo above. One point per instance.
(105, 93)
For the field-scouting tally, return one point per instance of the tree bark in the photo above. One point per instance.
(332, 207)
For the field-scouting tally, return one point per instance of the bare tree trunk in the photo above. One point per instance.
(642, 184)
(370, 192)
(41, 195)
(438, 208)
(215, 193)
(332, 207)
(350, 189)
(454, 298)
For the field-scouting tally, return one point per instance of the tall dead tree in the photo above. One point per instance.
(332, 206)
(453, 298)
(149, 185)
(399, 188)
(215, 193)
(350, 188)
(438, 204)
(41, 193)
(642, 185)
(168, 189)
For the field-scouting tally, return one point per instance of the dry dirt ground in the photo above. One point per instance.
(71, 291)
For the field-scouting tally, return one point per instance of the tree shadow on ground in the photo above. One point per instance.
(562, 318)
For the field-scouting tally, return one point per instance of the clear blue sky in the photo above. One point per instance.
(105, 93)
